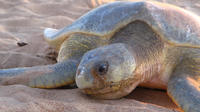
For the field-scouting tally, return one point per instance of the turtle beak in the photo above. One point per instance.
(83, 78)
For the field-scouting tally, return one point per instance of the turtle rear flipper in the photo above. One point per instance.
(184, 85)
(49, 76)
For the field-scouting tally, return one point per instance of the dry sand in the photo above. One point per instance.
(23, 21)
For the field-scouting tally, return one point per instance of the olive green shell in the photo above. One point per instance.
(107, 19)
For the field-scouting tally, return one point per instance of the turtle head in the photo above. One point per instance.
(107, 72)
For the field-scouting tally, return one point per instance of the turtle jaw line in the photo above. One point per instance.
(116, 91)
(105, 90)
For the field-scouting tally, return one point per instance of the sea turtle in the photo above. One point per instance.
(120, 45)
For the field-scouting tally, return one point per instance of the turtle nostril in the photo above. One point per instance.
(78, 72)
(81, 71)
(83, 79)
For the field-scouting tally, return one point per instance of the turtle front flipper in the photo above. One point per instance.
(184, 85)
(60, 74)
(57, 75)
(49, 76)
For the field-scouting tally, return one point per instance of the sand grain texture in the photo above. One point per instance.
(18, 98)
(23, 21)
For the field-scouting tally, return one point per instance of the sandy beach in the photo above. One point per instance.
(22, 45)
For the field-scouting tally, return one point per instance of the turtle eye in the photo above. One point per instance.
(103, 68)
